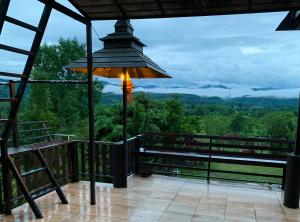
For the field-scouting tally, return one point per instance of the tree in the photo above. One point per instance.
(39, 104)
(280, 124)
(174, 115)
(216, 125)
(67, 103)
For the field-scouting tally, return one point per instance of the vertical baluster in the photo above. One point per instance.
(10, 188)
(57, 153)
(111, 160)
(63, 158)
(18, 165)
(136, 157)
(104, 162)
(50, 161)
(129, 158)
(97, 160)
(1, 197)
(27, 164)
(47, 156)
(36, 182)
(209, 160)
(82, 155)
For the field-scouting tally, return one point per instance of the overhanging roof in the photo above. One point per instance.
(115, 9)
(290, 22)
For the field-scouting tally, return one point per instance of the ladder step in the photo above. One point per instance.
(40, 194)
(32, 130)
(8, 100)
(3, 120)
(15, 50)
(21, 24)
(29, 173)
(9, 74)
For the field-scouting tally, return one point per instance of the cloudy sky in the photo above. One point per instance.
(226, 56)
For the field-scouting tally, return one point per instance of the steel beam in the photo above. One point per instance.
(91, 112)
(3, 11)
(68, 12)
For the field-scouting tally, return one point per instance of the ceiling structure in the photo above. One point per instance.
(141, 9)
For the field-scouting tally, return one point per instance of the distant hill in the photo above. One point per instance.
(111, 98)
(190, 99)
(263, 102)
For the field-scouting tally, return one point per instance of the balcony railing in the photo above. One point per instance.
(69, 163)
(260, 160)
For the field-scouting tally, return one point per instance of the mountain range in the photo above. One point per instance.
(190, 99)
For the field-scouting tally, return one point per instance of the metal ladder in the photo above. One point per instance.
(7, 162)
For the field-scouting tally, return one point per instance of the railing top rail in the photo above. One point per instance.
(253, 139)
(31, 122)
(109, 143)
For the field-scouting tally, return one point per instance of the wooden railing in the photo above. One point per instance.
(60, 159)
(216, 157)
(69, 162)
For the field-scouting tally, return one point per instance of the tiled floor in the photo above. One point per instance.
(160, 198)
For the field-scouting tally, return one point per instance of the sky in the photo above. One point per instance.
(227, 56)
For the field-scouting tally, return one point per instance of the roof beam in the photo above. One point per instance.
(78, 8)
(250, 4)
(160, 6)
(120, 8)
(68, 12)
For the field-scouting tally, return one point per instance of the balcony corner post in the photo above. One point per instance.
(119, 165)
(73, 160)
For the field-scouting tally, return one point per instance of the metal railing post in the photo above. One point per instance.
(209, 161)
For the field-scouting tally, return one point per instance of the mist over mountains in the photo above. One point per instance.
(204, 88)
(189, 99)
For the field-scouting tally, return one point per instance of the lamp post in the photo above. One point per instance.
(121, 56)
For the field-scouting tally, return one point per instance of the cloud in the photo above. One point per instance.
(237, 49)
(251, 50)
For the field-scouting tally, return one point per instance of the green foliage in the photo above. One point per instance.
(39, 104)
(174, 115)
(280, 124)
(64, 106)
(146, 114)
(216, 124)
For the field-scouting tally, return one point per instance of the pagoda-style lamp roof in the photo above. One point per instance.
(121, 50)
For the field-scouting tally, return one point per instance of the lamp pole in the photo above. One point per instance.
(91, 112)
(124, 153)
(297, 146)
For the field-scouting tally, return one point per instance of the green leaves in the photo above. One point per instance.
(64, 106)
